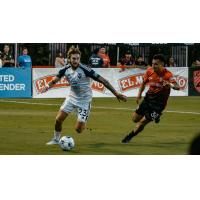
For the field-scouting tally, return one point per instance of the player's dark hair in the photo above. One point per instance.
(159, 57)
(73, 50)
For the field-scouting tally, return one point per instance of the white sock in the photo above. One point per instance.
(57, 135)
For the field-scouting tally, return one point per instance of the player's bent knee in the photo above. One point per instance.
(61, 116)
(135, 120)
(136, 117)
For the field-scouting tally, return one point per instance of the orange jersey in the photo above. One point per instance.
(155, 81)
(106, 60)
(157, 92)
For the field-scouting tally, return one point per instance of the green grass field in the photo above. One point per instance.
(25, 128)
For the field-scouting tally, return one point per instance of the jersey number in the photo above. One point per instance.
(83, 113)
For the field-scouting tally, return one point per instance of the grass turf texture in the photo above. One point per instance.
(25, 128)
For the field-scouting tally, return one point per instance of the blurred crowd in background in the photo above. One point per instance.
(98, 55)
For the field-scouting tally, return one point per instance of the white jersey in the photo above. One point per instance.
(80, 80)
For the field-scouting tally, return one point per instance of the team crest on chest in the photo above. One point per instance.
(79, 75)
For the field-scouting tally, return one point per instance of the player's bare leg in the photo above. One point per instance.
(136, 117)
(138, 128)
(80, 126)
(140, 125)
(61, 116)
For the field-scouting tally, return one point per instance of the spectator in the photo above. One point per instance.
(95, 61)
(65, 61)
(171, 62)
(24, 60)
(1, 63)
(7, 57)
(59, 61)
(127, 61)
(104, 56)
(196, 63)
(140, 62)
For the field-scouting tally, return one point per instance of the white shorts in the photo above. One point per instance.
(82, 109)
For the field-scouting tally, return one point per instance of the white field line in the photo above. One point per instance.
(96, 107)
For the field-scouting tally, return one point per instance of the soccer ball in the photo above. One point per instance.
(66, 143)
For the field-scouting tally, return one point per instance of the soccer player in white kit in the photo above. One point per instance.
(80, 97)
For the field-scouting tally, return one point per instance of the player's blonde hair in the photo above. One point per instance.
(73, 50)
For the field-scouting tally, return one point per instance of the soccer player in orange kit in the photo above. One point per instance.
(160, 81)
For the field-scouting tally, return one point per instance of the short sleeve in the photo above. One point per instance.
(170, 77)
(93, 75)
(146, 76)
(61, 73)
(90, 72)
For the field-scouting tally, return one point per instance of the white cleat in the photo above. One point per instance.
(53, 141)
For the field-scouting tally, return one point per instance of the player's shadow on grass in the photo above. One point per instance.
(160, 144)
(104, 148)
(97, 145)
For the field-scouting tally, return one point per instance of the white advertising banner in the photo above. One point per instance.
(126, 82)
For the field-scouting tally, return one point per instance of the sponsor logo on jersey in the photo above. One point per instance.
(79, 75)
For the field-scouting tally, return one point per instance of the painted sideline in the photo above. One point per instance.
(96, 107)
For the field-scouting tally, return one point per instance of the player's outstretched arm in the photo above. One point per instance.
(173, 85)
(106, 83)
(50, 84)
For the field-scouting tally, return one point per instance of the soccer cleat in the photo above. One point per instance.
(53, 141)
(128, 138)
